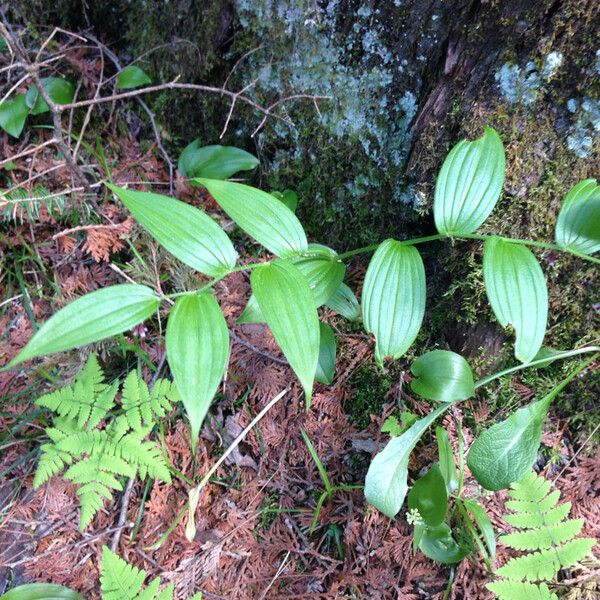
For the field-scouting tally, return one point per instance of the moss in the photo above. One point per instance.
(369, 387)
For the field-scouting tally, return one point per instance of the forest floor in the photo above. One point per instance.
(254, 516)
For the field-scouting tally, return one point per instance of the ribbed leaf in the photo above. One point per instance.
(91, 318)
(13, 114)
(442, 375)
(516, 289)
(386, 481)
(289, 308)
(326, 365)
(41, 591)
(578, 224)
(185, 231)
(214, 162)
(393, 298)
(197, 351)
(269, 221)
(469, 184)
(344, 302)
(520, 590)
(132, 77)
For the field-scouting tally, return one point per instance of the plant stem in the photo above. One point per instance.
(411, 242)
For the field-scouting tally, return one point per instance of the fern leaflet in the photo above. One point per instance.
(546, 533)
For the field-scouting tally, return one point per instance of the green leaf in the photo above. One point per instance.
(520, 590)
(446, 455)
(197, 351)
(327, 348)
(60, 91)
(428, 495)
(13, 114)
(438, 544)
(288, 197)
(186, 232)
(132, 77)
(93, 317)
(442, 375)
(214, 162)
(386, 481)
(469, 184)
(485, 525)
(41, 591)
(288, 305)
(516, 289)
(578, 224)
(506, 451)
(260, 215)
(344, 302)
(393, 298)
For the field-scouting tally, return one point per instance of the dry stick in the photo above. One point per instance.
(27, 152)
(85, 228)
(32, 70)
(576, 453)
(194, 493)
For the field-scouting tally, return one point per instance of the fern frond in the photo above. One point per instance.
(531, 488)
(122, 581)
(519, 590)
(146, 456)
(544, 565)
(52, 462)
(530, 506)
(543, 536)
(142, 407)
(552, 517)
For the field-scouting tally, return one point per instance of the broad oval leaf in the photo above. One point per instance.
(386, 480)
(214, 162)
(506, 451)
(578, 224)
(393, 298)
(197, 342)
(93, 317)
(13, 114)
(60, 91)
(289, 308)
(260, 215)
(41, 591)
(516, 289)
(327, 350)
(438, 544)
(442, 375)
(288, 197)
(428, 495)
(344, 302)
(132, 77)
(185, 231)
(469, 184)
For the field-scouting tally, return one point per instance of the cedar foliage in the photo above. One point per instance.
(546, 537)
(98, 446)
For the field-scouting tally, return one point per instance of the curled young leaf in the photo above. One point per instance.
(516, 289)
(442, 375)
(269, 221)
(197, 342)
(393, 298)
(93, 317)
(185, 231)
(469, 184)
(288, 306)
(214, 162)
(438, 544)
(386, 481)
(578, 224)
(327, 349)
(344, 302)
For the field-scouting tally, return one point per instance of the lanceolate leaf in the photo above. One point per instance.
(393, 298)
(289, 308)
(386, 481)
(186, 232)
(269, 221)
(516, 289)
(344, 302)
(442, 375)
(214, 162)
(60, 91)
(447, 463)
(41, 591)
(197, 351)
(326, 365)
(132, 77)
(13, 114)
(578, 225)
(469, 184)
(91, 318)
(483, 523)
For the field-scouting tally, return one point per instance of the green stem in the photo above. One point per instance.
(534, 363)
(411, 242)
